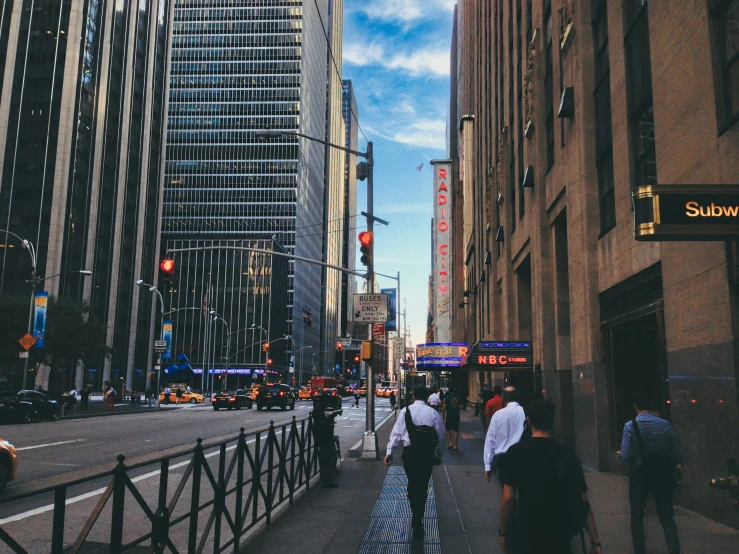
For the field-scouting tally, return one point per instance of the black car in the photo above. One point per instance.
(231, 400)
(334, 401)
(27, 405)
(275, 395)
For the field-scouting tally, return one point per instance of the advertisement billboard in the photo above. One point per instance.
(392, 309)
(41, 301)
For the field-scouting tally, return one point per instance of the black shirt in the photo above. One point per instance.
(324, 428)
(547, 477)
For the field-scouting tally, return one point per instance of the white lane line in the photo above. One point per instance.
(50, 444)
(66, 465)
(98, 492)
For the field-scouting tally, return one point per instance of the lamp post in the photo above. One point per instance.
(217, 317)
(370, 448)
(300, 373)
(152, 288)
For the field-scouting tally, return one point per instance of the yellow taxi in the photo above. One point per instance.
(188, 397)
(8, 463)
(253, 393)
(304, 393)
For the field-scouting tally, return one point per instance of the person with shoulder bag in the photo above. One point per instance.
(651, 448)
(421, 432)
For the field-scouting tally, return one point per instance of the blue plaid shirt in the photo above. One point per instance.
(657, 436)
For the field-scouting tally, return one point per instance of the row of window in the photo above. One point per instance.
(237, 95)
(241, 81)
(257, 69)
(274, 167)
(231, 209)
(236, 27)
(226, 223)
(233, 122)
(197, 14)
(268, 195)
(236, 109)
(236, 3)
(237, 41)
(285, 53)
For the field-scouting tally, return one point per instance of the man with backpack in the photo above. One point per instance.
(552, 501)
(505, 429)
(650, 446)
(421, 432)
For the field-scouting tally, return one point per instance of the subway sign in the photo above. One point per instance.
(686, 212)
(501, 356)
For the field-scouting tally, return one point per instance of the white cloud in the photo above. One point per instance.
(405, 10)
(429, 61)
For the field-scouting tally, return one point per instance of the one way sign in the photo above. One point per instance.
(370, 308)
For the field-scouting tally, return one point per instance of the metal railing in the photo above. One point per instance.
(251, 476)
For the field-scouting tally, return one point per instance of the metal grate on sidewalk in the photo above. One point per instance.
(389, 528)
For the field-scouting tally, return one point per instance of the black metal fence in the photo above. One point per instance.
(225, 490)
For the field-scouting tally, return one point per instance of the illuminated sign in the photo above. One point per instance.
(442, 249)
(441, 354)
(501, 356)
(686, 212)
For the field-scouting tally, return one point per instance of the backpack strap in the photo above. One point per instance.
(637, 434)
(409, 420)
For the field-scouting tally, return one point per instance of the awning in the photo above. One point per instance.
(500, 356)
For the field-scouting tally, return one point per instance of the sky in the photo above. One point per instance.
(396, 52)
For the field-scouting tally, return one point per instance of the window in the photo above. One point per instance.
(603, 129)
(639, 93)
(726, 14)
(549, 86)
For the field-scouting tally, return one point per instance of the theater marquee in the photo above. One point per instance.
(686, 212)
(501, 356)
(442, 309)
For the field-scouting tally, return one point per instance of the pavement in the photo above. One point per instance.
(369, 514)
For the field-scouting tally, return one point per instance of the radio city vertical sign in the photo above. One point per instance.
(442, 249)
(686, 212)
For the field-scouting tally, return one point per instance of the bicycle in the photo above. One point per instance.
(338, 453)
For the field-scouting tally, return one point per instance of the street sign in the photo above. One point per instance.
(27, 341)
(378, 329)
(23, 354)
(370, 308)
(160, 346)
(398, 346)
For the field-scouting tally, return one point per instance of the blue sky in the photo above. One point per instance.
(396, 52)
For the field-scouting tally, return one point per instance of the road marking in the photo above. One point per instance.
(51, 464)
(50, 444)
(98, 492)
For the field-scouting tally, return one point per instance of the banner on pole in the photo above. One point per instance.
(167, 336)
(41, 301)
(392, 309)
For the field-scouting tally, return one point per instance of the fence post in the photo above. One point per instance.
(119, 496)
(283, 462)
(160, 525)
(309, 452)
(293, 434)
(219, 498)
(240, 446)
(197, 460)
(256, 476)
(57, 533)
(270, 460)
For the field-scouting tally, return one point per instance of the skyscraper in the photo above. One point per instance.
(349, 222)
(81, 132)
(238, 68)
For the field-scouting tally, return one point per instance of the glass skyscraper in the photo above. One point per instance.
(238, 66)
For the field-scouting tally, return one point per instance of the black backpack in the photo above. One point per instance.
(424, 438)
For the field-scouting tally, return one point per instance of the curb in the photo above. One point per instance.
(114, 413)
(356, 450)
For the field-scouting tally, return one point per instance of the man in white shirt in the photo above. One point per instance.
(504, 431)
(417, 465)
(434, 400)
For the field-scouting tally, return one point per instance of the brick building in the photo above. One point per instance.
(563, 108)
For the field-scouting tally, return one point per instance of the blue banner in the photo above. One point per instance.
(41, 301)
(167, 335)
(392, 309)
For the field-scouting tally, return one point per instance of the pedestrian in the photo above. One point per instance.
(651, 448)
(434, 400)
(356, 398)
(323, 433)
(421, 432)
(544, 483)
(451, 418)
(485, 397)
(493, 405)
(505, 430)
(178, 394)
(133, 398)
(84, 398)
(393, 400)
(442, 395)
(111, 397)
(167, 393)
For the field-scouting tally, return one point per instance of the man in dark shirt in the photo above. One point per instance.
(652, 471)
(552, 493)
(323, 433)
(451, 418)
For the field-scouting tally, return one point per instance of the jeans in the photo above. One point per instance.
(639, 491)
(327, 462)
(418, 472)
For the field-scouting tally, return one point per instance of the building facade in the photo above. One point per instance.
(563, 108)
(349, 221)
(81, 136)
(239, 67)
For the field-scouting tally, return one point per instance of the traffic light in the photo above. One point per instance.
(265, 347)
(366, 240)
(366, 351)
(356, 358)
(339, 346)
(167, 271)
(269, 361)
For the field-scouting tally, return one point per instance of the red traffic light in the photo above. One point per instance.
(339, 346)
(356, 358)
(269, 361)
(365, 238)
(167, 266)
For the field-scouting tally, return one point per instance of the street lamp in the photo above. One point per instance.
(152, 288)
(217, 317)
(370, 447)
(300, 373)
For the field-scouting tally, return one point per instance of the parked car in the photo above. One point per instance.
(8, 463)
(231, 400)
(28, 405)
(191, 397)
(304, 393)
(275, 395)
(335, 402)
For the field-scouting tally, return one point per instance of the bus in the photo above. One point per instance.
(318, 384)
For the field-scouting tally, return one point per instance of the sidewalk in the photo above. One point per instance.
(96, 408)
(366, 514)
